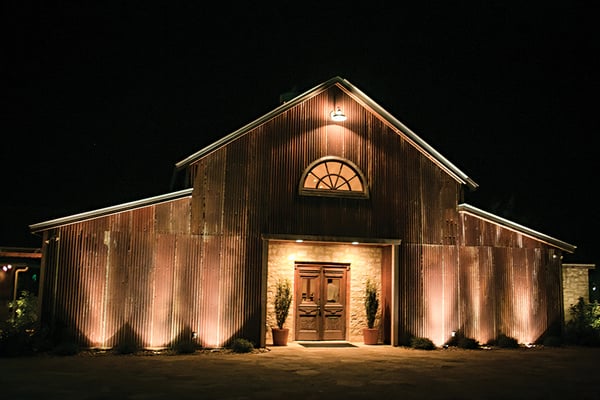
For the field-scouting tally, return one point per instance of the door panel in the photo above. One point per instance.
(308, 310)
(334, 316)
(321, 302)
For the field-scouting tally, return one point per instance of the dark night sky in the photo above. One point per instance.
(100, 101)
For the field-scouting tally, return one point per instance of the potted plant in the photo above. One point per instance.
(282, 302)
(370, 333)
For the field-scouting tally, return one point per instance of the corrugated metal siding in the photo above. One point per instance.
(411, 313)
(386, 293)
(264, 184)
(156, 274)
(507, 277)
(110, 281)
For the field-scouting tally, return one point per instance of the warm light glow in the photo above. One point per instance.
(338, 115)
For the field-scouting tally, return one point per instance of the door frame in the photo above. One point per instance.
(322, 310)
(393, 312)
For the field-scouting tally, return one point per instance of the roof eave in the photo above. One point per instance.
(469, 209)
(54, 223)
(261, 120)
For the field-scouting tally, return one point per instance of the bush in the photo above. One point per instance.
(461, 341)
(584, 326)
(185, 347)
(66, 349)
(552, 341)
(507, 342)
(282, 301)
(467, 343)
(240, 345)
(126, 347)
(371, 302)
(421, 343)
(18, 333)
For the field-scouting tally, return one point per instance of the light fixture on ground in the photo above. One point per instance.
(338, 115)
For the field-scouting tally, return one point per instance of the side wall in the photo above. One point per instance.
(137, 278)
(510, 284)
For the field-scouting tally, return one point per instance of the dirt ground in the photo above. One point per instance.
(295, 372)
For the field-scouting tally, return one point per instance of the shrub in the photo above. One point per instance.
(18, 333)
(421, 343)
(282, 301)
(584, 326)
(552, 341)
(371, 302)
(126, 347)
(467, 343)
(240, 345)
(185, 347)
(507, 342)
(460, 340)
(66, 349)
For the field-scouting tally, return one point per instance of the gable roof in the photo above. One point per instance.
(357, 95)
(469, 209)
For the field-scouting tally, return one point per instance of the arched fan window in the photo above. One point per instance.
(333, 176)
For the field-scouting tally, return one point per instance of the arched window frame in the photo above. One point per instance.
(363, 194)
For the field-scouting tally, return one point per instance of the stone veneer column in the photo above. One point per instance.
(575, 285)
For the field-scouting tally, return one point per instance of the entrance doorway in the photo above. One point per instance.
(320, 292)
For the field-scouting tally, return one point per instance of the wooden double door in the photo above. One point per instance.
(321, 293)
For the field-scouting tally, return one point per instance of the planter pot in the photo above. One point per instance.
(280, 336)
(370, 335)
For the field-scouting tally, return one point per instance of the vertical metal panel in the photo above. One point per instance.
(162, 294)
(386, 293)
(411, 293)
(433, 294)
(487, 296)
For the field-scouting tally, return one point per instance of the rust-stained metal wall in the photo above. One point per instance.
(156, 274)
(126, 278)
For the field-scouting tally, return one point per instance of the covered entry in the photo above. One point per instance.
(328, 278)
(320, 293)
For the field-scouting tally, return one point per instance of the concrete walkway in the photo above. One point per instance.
(296, 372)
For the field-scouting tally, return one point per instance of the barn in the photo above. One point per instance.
(326, 190)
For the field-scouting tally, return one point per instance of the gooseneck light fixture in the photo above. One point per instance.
(338, 115)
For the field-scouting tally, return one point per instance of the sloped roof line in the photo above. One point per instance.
(257, 122)
(54, 223)
(469, 209)
(408, 132)
(361, 97)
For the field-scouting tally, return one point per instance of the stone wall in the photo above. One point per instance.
(365, 262)
(575, 285)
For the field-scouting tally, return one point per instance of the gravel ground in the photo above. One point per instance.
(295, 372)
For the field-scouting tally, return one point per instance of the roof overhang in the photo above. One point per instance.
(331, 239)
(42, 226)
(489, 217)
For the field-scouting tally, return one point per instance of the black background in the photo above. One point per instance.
(99, 101)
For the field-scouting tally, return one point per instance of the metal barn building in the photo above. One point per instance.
(326, 189)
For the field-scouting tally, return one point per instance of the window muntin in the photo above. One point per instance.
(332, 176)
